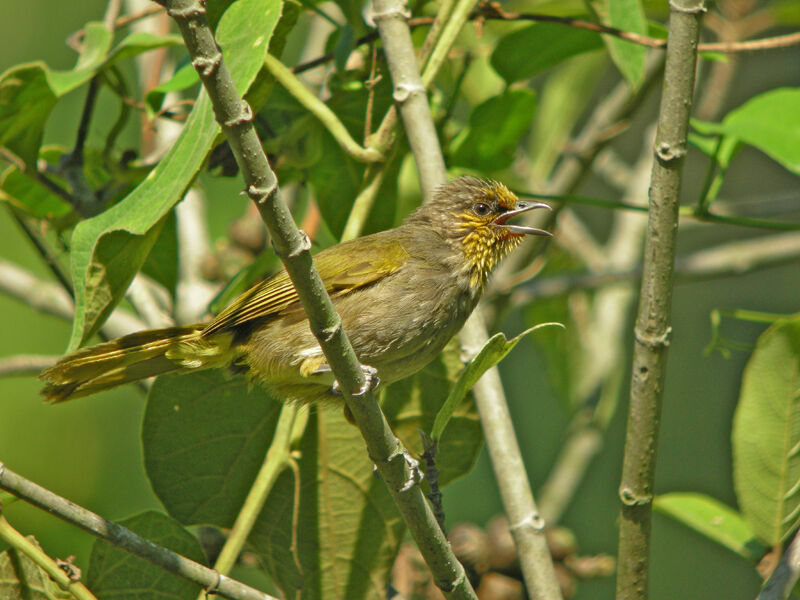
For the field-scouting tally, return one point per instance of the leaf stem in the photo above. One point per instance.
(276, 460)
(22, 544)
(320, 110)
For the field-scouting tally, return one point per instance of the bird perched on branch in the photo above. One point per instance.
(401, 295)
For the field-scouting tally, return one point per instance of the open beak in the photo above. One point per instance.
(521, 207)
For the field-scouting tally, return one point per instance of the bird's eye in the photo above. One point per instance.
(481, 209)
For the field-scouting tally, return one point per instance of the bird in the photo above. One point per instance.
(401, 294)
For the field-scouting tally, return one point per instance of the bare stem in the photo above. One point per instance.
(652, 328)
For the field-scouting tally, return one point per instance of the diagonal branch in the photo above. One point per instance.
(236, 119)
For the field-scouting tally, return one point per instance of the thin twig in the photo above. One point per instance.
(771, 43)
(652, 328)
(124, 538)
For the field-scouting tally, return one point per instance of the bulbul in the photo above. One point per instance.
(401, 295)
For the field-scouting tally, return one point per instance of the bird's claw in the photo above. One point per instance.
(371, 381)
(415, 474)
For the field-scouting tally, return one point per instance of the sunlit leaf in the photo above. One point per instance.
(23, 579)
(496, 127)
(713, 519)
(493, 351)
(527, 51)
(627, 15)
(766, 435)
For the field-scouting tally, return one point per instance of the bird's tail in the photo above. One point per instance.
(131, 358)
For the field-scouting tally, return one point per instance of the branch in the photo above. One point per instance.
(235, 117)
(526, 525)
(653, 321)
(208, 579)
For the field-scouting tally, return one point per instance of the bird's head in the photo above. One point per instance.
(474, 215)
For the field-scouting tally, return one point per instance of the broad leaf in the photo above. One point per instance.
(115, 574)
(770, 122)
(99, 272)
(496, 127)
(713, 519)
(329, 529)
(766, 435)
(494, 350)
(527, 51)
(627, 15)
(204, 438)
(161, 263)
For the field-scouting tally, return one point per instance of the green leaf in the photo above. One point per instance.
(133, 223)
(714, 520)
(527, 51)
(496, 127)
(412, 405)
(161, 263)
(29, 92)
(184, 78)
(309, 153)
(334, 531)
(770, 122)
(627, 15)
(204, 438)
(31, 196)
(766, 435)
(139, 42)
(23, 579)
(494, 350)
(115, 574)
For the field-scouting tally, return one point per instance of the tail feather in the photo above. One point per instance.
(131, 358)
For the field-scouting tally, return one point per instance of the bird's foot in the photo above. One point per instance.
(414, 472)
(371, 381)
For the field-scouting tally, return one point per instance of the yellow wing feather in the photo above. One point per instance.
(376, 257)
